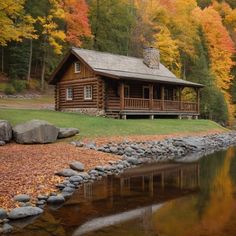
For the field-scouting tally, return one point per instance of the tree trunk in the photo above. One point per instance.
(43, 70)
(97, 25)
(30, 60)
(184, 70)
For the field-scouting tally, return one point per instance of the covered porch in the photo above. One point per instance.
(142, 98)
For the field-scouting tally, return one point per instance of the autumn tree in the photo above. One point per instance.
(169, 52)
(76, 19)
(15, 24)
(183, 27)
(51, 36)
(143, 30)
(221, 48)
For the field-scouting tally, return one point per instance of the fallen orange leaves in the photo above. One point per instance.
(30, 169)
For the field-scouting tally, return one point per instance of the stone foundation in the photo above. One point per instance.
(87, 111)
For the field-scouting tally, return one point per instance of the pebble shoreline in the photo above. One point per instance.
(132, 154)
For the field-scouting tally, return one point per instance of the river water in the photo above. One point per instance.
(175, 199)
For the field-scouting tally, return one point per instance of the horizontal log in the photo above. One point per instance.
(77, 106)
(79, 81)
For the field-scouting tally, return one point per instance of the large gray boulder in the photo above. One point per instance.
(67, 132)
(22, 212)
(5, 131)
(35, 131)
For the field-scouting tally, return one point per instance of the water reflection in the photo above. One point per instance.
(135, 194)
(216, 199)
(194, 199)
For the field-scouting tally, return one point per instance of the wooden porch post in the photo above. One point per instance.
(198, 99)
(57, 97)
(150, 96)
(162, 97)
(122, 95)
(180, 98)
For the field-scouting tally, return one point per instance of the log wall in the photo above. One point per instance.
(77, 81)
(78, 100)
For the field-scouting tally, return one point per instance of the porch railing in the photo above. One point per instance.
(159, 105)
(136, 103)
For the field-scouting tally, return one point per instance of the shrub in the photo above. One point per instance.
(19, 85)
(9, 89)
(33, 84)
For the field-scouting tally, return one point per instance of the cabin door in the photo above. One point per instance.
(146, 92)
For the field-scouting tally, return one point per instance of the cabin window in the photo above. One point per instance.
(88, 92)
(77, 67)
(126, 91)
(69, 94)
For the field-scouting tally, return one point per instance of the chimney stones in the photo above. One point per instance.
(151, 57)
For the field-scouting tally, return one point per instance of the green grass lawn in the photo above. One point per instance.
(97, 126)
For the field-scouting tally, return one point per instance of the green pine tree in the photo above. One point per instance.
(111, 22)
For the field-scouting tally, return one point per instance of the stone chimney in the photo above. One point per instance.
(151, 57)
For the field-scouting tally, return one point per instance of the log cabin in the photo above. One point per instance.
(113, 85)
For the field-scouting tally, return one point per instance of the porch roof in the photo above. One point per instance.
(146, 77)
(124, 67)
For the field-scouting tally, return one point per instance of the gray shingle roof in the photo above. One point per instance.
(127, 67)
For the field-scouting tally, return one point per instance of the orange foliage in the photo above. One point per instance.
(221, 49)
(182, 25)
(76, 18)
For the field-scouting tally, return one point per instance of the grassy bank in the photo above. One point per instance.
(36, 102)
(97, 126)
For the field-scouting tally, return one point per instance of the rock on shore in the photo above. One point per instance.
(67, 132)
(35, 131)
(22, 212)
(5, 131)
(169, 149)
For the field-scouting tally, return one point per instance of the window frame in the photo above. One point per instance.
(69, 94)
(85, 92)
(75, 67)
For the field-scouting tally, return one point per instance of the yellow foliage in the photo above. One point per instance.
(15, 25)
(169, 52)
(183, 24)
(50, 30)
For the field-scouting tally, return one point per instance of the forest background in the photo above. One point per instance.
(196, 39)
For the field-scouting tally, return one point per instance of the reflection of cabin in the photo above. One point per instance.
(164, 181)
(103, 83)
(136, 192)
(149, 178)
